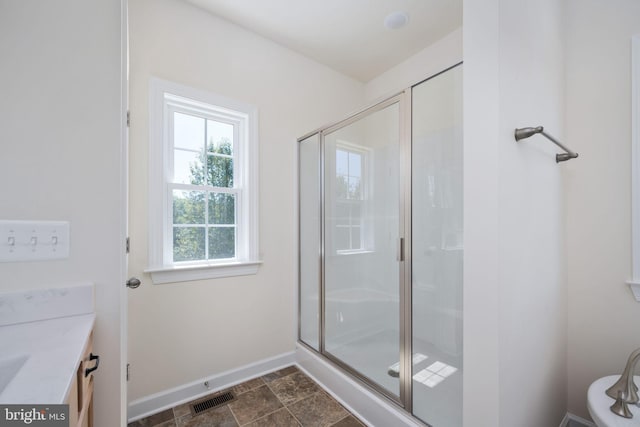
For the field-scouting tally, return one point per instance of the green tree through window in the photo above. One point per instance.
(208, 211)
(203, 184)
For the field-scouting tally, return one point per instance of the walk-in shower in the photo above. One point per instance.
(381, 244)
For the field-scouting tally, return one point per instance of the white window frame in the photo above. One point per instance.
(634, 283)
(366, 238)
(165, 98)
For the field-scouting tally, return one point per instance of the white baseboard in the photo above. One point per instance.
(571, 420)
(157, 402)
(359, 400)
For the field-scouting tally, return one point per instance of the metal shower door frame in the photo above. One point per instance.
(403, 99)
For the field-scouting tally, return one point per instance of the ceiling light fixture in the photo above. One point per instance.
(396, 20)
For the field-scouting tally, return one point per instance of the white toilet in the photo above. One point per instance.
(599, 403)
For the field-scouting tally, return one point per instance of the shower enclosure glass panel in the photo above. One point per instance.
(437, 249)
(309, 164)
(361, 232)
(381, 247)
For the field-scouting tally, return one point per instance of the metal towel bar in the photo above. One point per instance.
(523, 133)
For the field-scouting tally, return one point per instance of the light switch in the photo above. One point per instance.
(33, 240)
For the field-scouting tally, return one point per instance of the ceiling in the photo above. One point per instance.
(346, 35)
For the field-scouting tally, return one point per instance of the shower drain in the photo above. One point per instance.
(211, 402)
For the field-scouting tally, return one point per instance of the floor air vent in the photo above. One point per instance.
(211, 402)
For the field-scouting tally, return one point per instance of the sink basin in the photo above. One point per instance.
(9, 367)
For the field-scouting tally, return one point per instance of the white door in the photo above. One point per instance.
(124, 191)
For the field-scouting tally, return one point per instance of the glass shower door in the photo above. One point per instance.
(361, 235)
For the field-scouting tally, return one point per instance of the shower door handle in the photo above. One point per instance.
(400, 249)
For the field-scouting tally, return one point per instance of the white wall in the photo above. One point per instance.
(441, 55)
(533, 290)
(179, 333)
(603, 316)
(515, 287)
(60, 118)
(480, 187)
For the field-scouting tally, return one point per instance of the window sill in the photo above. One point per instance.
(635, 288)
(354, 252)
(188, 273)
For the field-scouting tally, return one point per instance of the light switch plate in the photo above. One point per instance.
(33, 240)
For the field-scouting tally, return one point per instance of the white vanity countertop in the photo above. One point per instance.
(43, 333)
(53, 349)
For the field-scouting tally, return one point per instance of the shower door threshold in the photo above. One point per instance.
(358, 396)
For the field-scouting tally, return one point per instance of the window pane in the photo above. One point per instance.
(219, 171)
(354, 188)
(188, 131)
(342, 238)
(222, 208)
(222, 242)
(188, 207)
(219, 137)
(355, 214)
(355, 238)
(342, 187)
(342, 162)
(188, 244)
(342, 213)
(187, 168)
(355, 164)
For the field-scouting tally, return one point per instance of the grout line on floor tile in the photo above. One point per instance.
(233, 414)
(286, 405)
(274, 393)
(246, 381)
(268, 384)
(346, 416)
(179, 418)
(293, 415)
(259, 418)
(295, 401)
(269, 387)
(175, 416)
(279, 378)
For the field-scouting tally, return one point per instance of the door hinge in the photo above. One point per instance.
(128, 118)
(127, 245)
(128, 371)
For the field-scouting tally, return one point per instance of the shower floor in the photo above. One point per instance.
(284, 398)
(437, 385)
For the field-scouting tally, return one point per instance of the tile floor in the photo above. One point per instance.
(284, 398)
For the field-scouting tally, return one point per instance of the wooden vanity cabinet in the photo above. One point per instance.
(80, 398)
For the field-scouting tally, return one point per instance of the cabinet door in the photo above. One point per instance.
(86, 364)
(80, 398)
(72, 401)
(85, 391)
(87, 421)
